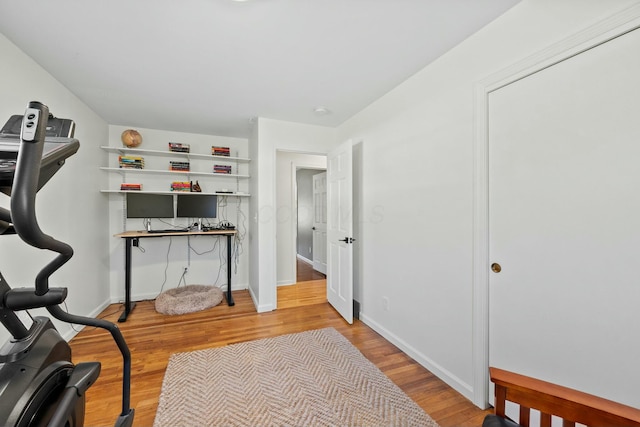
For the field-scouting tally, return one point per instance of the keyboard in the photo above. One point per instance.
(171, 230)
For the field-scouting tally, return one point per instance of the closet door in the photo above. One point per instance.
(564, 203)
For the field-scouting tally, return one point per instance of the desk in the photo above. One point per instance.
(132, 237)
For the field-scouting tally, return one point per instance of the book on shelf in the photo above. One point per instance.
(220, 151)
(177, 147)
(131, 162)
(181, 186)
(179, 166)
(130, 186)
(222, 169)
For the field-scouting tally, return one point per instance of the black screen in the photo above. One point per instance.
(197, 206)
(141, 205)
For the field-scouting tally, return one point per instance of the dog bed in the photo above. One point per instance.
(188, 299)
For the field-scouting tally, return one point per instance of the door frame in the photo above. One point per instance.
(601, 32)
(289, 254)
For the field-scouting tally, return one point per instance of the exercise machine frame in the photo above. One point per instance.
(39, 384)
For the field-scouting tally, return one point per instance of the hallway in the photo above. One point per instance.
(305, 272)
(311, 288)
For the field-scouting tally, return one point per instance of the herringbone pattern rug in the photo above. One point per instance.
(314, 378)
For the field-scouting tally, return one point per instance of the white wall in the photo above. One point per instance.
(274, 135)
(70, 207)
(254, 242)
(286, 211)
(417, 186)
(160, 266)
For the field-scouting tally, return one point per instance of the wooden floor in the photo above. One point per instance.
(305, 272)
(153, 337)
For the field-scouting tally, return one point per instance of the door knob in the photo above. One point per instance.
(496, 268)
(313, 228)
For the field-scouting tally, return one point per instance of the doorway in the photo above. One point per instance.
(288, 165)
(311, 224)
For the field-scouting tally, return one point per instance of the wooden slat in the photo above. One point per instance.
(525, 416)
(500, 403)
(569, 404)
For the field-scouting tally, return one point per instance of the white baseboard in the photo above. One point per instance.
(285, 283)
(303, 259)
(260, 308)
(456, 383)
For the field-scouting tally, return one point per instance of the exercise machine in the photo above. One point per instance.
(39, 383)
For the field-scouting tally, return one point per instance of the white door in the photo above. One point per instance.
(564, 221)
(319, 235)
(339, 231)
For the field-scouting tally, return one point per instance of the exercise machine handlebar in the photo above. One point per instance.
(22, 216)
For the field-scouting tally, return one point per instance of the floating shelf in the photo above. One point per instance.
(176, 192)
(127, 151)
(168, 172)
(225, 181)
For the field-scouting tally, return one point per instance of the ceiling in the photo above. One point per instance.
(211, 66)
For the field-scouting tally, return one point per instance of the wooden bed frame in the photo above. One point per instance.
(570, 405)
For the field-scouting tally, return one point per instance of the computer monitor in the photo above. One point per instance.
(142, 205)
(197, 206)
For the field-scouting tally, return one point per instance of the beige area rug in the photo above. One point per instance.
(314, 378)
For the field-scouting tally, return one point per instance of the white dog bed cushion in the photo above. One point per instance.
(188, 299)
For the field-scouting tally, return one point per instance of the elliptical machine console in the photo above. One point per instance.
(39, 384)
